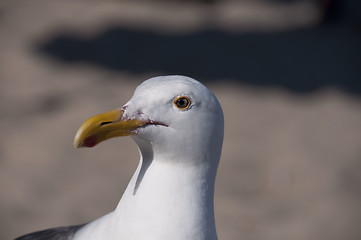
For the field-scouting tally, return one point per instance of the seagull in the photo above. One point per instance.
(177, 124)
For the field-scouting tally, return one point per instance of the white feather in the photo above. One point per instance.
(170, 196)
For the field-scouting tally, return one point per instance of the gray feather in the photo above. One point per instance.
(59, 233)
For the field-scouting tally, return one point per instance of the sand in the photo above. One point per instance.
(290, 167)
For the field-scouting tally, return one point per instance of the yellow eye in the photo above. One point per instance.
(182, 102)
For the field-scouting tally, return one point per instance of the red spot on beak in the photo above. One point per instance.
(90, 141)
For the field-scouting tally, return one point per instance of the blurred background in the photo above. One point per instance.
(287, 73)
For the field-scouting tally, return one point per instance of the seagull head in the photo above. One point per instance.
(170, 116)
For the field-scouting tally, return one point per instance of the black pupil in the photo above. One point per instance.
(182, 103)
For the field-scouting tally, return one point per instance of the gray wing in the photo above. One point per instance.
(59, 233)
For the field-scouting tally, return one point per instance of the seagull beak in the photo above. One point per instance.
(105, 126)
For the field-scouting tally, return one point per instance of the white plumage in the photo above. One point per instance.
(179, 132)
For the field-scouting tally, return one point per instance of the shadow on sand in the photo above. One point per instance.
(300, 60)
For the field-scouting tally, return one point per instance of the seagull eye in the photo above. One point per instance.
(182, 103)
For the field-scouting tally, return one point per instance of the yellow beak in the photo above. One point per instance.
(105, 126)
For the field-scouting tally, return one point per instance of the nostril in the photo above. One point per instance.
(104, 123)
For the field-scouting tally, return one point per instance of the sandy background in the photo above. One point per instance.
(288, 82)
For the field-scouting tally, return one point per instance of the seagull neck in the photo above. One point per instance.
(167, 195)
